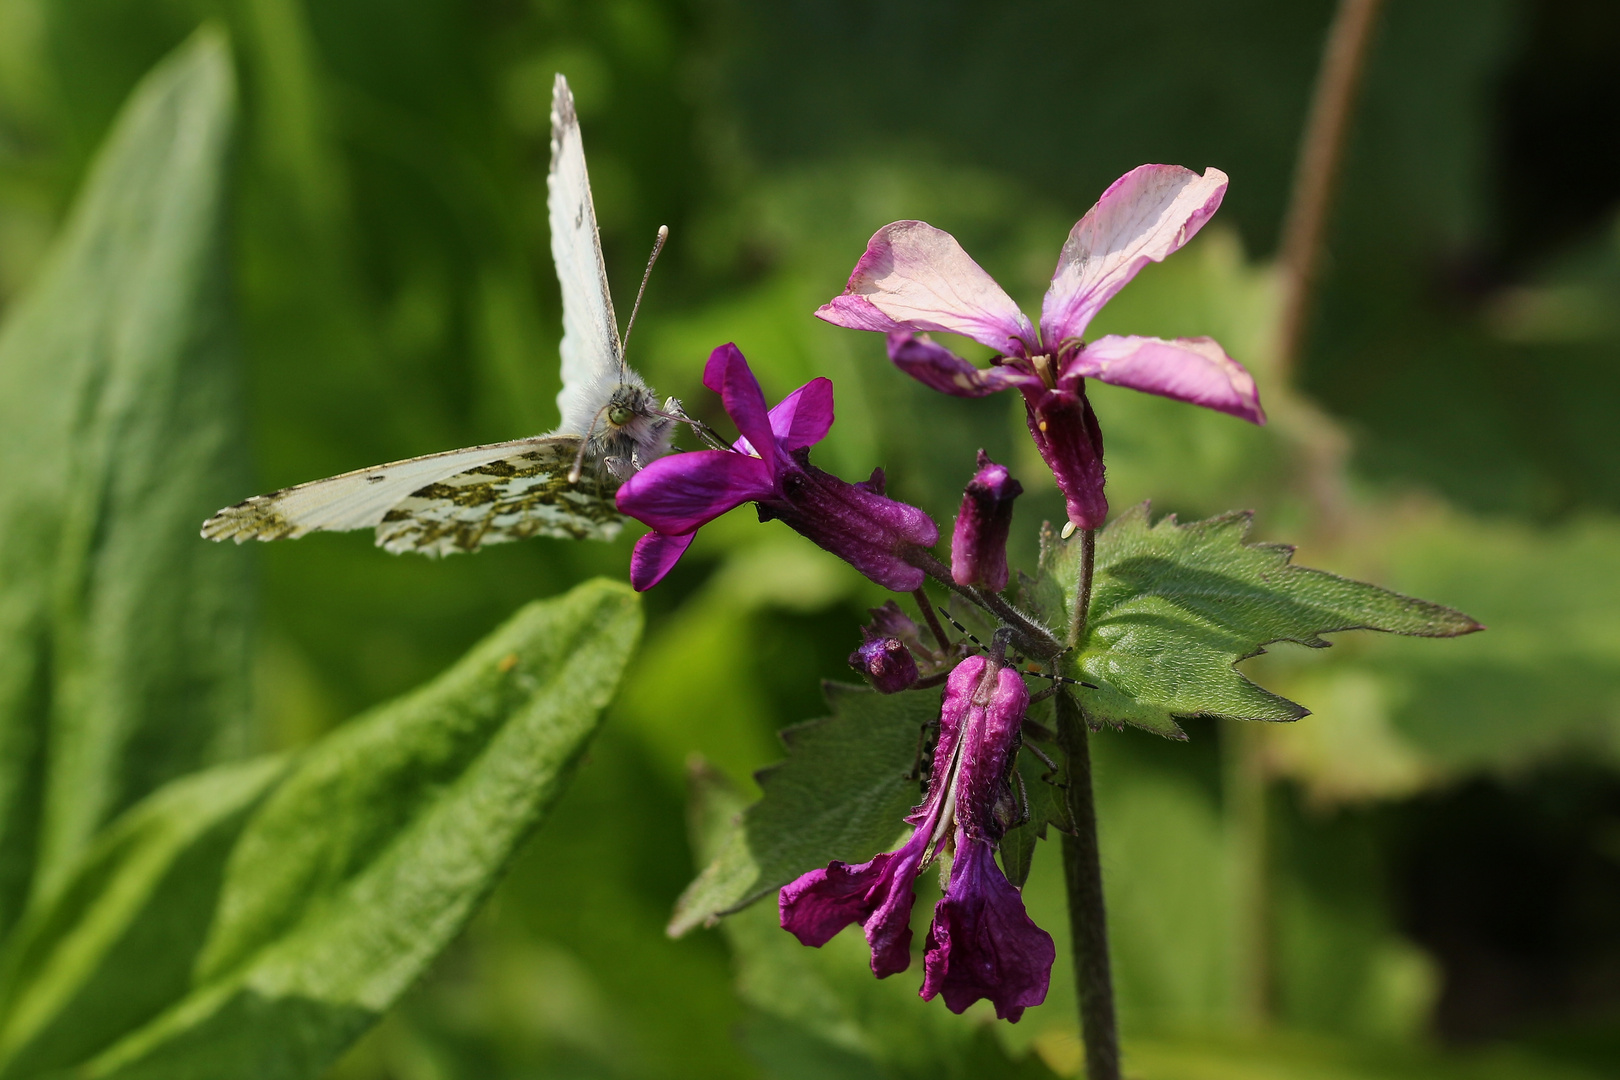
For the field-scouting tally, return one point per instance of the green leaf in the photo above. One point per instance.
(354, 872)
(119, 943)
(1174, 607)
(123, 637)
(842, 793)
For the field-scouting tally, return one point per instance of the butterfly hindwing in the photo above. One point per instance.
(462, 498)
(512, 498)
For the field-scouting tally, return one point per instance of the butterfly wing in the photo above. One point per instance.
(441, 503)
(592, 356)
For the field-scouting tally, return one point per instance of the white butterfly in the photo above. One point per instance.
(560, 484)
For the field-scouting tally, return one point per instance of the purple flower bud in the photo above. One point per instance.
(886, 661)
(889, 621)
(1070, 441)
(979, 542)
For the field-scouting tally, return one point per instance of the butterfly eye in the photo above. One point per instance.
(619, 415)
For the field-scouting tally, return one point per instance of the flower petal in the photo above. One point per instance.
(679, 493)
(656, 555)
(982, 943)
(937, 368)
(728, 375)
(878, 894)
(1187, 369)
(1142, 217)
(916, 277)
(803, 417)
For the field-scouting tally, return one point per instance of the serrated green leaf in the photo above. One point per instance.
(354, 872)
(123, 637)
(841, 794)
(1174, 607)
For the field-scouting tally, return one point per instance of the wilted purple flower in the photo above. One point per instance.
(915, 277)
(770, 465)
(886, 662)
(981, 943)
(979, 541)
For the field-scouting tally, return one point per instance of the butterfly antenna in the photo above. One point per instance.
(965, 632)
(658, 245)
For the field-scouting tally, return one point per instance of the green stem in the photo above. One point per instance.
(926, 606)
(1082, 861)
(1088, 918)
(1082, 604)
(1029, 636)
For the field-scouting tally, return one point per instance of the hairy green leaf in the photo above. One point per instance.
(842, 793)
(122, 635)
(272, 943)
(1174, 607)
(120, 942)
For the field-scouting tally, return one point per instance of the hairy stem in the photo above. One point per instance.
(1088, 919)
(1316, 175)
(1029, 636)
(1082, 588)
(926, 606)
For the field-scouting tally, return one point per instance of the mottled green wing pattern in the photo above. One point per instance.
(459, 500)
(511, 498)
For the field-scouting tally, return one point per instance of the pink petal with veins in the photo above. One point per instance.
(1195, 370)
(916, 277)
(1145, 215)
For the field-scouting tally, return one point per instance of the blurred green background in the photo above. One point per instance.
(1422, 879)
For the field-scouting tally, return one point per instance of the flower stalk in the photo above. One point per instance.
(1088, 921)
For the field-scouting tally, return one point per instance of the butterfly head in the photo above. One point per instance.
(632, 431)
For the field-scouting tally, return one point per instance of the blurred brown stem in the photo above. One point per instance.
(1316, 175)
(1322, 450)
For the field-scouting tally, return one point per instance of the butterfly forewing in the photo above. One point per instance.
(592, 357)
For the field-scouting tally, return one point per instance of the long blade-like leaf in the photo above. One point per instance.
(122, 637)
(269, 944)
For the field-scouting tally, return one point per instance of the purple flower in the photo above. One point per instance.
(979, 541)
(981, 943)
(770, 465)
(915, 277)
(886, 662)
